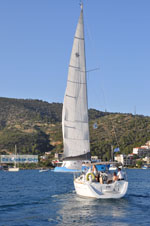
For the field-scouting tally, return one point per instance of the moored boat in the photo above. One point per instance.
(146, 166)
(14, 168)
(43, 170)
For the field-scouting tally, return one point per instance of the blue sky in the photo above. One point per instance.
(35, 45)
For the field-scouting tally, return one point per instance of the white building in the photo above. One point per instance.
(119, 158)
(142, 151)
(126, 160)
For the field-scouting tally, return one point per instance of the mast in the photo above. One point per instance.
(15, 155)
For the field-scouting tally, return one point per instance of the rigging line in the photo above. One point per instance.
(115, 134)
(95, 56)
(91, 40)
(100, 102)
(95, 69)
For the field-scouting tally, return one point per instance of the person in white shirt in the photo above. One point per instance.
(120, 174)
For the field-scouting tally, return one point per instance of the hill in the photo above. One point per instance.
(35, 126)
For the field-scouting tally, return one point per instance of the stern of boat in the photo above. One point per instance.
(96, 190)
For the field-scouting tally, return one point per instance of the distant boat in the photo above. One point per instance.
(146, 166)
(15, 168)
(43, 170)
(112, 167)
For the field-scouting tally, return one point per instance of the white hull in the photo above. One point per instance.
(73, 166)
(146, 167)
(96, 190)
(76, 164)
(112, 168)
(15, 169)
(42, 170)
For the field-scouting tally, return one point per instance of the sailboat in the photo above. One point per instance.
(88, 184)
(75, 127)
(75, 124)
(15, 168)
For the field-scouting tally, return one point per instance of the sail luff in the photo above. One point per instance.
(75, 108)
(85, 74)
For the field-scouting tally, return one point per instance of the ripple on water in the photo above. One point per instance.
(31, 198)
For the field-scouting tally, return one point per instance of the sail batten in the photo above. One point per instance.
(75, 121)
(83, 83)
(74, 67)
(70, 96)
(77, 139)
(79, 38)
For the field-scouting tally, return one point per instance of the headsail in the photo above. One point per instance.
(75, 108)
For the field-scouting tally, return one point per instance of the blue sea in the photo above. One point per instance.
(28, 197)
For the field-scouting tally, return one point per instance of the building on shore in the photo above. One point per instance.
(126, 160)
(142, 151)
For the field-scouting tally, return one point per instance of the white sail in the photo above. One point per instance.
(75, 124)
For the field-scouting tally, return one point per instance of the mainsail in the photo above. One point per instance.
(75, 124)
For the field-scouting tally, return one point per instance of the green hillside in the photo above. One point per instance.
(35, 126)
(120, 130)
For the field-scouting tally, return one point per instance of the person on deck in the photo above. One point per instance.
(95, 172)
(115, 178)
(120, 174)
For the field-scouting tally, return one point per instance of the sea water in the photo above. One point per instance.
(31, 198)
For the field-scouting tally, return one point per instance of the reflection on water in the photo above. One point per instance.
(76, 210)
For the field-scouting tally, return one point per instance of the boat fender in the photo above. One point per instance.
(87, 176)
